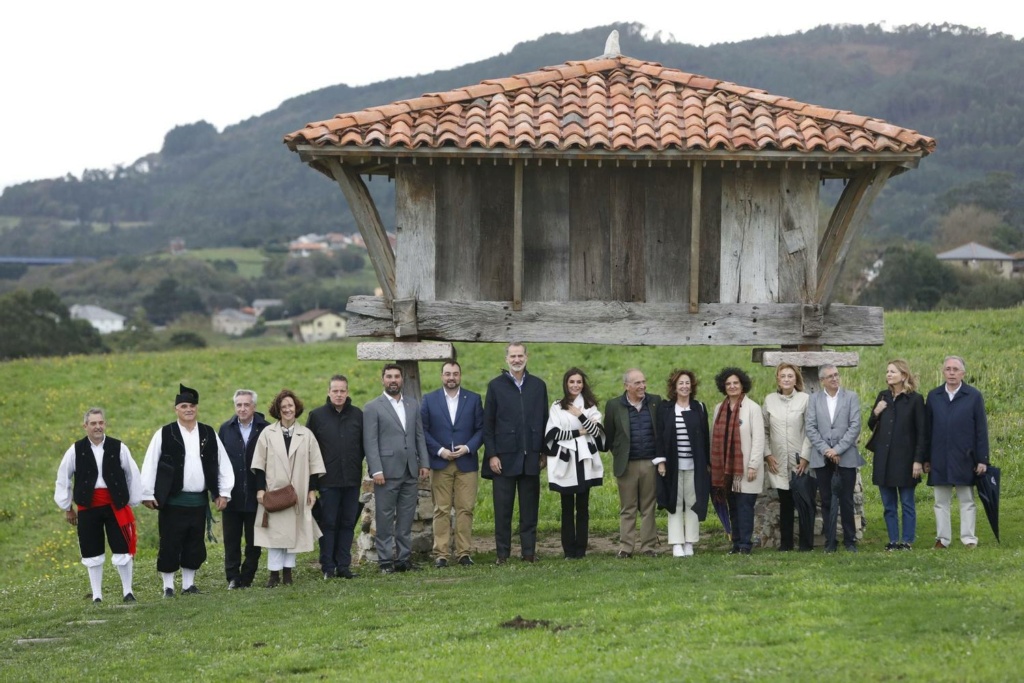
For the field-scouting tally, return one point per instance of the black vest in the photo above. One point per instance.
(170, 469)
(86, 473)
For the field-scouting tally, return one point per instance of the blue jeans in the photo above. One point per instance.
(741, 516)
(339, 507)
(904, 496)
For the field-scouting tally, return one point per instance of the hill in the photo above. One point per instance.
(241, 186)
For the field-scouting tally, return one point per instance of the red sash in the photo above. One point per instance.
(124, 516)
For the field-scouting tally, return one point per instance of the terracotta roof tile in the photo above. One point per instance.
(618, 103)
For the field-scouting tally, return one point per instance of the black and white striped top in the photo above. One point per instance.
(683, 448)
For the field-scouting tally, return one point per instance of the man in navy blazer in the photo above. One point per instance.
(396, 458)
(453, 425)
(833, 426)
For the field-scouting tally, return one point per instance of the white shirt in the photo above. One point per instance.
(453, 404)
(952, 394)
(62, 494)
(399, 408)
(194, 480)
(246, 430)
(832, 402)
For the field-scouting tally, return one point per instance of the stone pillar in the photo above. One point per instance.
(422, 524)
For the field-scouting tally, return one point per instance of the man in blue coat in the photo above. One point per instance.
(453, 425)
(239, 436)
(958, 450)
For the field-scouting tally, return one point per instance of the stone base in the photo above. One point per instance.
(422, 524)
(766, 518)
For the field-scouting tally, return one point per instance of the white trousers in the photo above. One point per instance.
(683, 525)
(279, 558)
(968, 513)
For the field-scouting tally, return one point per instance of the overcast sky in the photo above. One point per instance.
(98, 83)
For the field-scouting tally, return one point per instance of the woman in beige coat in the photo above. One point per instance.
(286, 453)
(787, 452)
(737, 454)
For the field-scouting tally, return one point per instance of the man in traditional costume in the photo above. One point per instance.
(99, 475)
(185, 463)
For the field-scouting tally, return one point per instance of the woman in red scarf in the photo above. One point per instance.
(737, 454)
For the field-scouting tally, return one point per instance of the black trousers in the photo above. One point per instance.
(339, 509)
(847, 479)
(741, 517)
(503, 491)
(575, 523)
(236, 526)
(182, 541)
(92, 525)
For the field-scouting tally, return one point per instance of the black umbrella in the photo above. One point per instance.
(988, 491)
(720, 499)
(803, 487)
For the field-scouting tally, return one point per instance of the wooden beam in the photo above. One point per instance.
(619, 323)
(847, 220)
(436, 351)
(517, 239)
(695, 209)
(415, 223)
(370, 225)
(811, 359)
(403, 316)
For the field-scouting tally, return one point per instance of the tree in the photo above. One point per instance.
(37, 323)
(192, 137)
(911, 278)
(968, 223)
(169, 300)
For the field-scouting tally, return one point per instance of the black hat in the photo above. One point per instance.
(186, 395)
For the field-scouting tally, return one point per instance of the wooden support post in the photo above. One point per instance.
(517, 239)
(370, 225)
(695, 206)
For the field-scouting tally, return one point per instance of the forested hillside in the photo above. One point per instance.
(241, 186)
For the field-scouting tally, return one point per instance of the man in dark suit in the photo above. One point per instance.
(833, 426)
(396, 453)
(239, 436)
(453, 424)
(515, 412)
(958, 451)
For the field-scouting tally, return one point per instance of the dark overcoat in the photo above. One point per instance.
(957, 436)
(700, 444)
(899, 438)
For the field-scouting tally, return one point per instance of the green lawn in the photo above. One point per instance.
(250, 261)
(926, 615)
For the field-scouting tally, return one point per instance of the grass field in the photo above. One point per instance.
(250, 261)
(925, 615)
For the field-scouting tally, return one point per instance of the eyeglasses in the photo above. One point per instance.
(834, 375)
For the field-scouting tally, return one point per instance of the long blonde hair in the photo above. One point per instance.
(910, 383)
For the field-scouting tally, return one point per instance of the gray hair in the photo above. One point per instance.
(627, 373)
(515, 343)
(956, 358)
(242, 392)
(825, 368)
(94, 411)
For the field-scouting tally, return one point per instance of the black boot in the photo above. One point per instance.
(287, 576)
(274, 580)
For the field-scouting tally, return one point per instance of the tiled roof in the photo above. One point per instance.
(973, 251)
(609, 104)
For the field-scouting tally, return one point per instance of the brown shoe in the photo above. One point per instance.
(500, 560)
(938, 546)
(529, 558)
(970, 546)
(274, 580)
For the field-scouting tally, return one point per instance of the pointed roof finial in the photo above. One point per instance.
(611, 46)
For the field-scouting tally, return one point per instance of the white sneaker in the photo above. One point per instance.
(687, 550)
(677, 551)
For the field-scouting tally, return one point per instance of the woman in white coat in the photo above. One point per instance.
(737, 454)
(286, 453)
(787, 450)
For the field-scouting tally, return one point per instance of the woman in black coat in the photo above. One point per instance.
(682, 447)
(898, 442)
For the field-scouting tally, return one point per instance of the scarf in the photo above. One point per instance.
(561, 466)
(726, 451)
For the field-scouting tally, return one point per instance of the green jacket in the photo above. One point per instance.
(616, 429)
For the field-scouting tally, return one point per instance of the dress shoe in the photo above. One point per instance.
(233, 584)
(530, 558)
(466, 561)
(406, 566)
(440, 563)
(623, 555)
(677, 550)
(904, 546)
(275, 579)
(687, 550)
(129, 598)
(329, 575)
(744, 551)
(345, 573)
(286, 577)
(970, 546)
(500, 560)
(191, 590)
(387, 568)
(97, 600)
(889, 547)
(851, 548)
(938, 546)
(650, 553)
(168, 592)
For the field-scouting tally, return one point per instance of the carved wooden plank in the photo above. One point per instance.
(496, 185)
(710, 234)
(517, 238)
(626, 245)
(458, 231)
(546, 233)
(589, 235)
(798, 246)
(695, 226)
(640, 324)
(667, 235)
(750, 236)
(832, 260)
(370, 225)
(396, 351)
(811, 359)
(415, 217)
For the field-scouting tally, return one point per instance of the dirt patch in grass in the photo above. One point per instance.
(519, 623)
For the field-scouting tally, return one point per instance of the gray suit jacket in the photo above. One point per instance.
(840, 433)
(390, 449)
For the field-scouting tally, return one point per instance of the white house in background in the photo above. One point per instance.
(974, 256)
(318, 325)
(103, 320)
(233, 322)
(259, 306)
